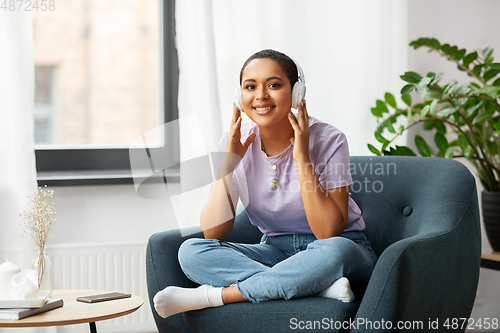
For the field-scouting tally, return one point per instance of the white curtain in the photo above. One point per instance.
(352, 52)
(199, 108)
(17, 157)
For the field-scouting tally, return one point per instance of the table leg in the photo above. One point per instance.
(93, 329)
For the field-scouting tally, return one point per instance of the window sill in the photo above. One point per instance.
(98, 177)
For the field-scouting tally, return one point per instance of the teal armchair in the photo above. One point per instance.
(422, 220)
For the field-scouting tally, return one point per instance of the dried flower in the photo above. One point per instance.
(39, 221)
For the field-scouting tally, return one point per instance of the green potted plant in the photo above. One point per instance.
(464, 118)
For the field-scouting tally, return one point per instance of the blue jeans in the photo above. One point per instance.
(279, 267)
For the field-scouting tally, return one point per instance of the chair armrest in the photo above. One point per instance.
(432, 275)
(162, 265)
(163, 269)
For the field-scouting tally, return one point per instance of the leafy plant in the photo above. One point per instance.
(467, 114)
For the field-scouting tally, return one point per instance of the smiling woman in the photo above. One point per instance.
(305, 215)
(266, 97)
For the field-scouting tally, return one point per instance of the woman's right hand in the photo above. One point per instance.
(214, 218)
(234, 144)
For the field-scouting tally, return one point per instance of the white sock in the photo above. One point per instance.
(172, 300)
(340, 289)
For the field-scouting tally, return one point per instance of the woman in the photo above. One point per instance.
(293, 176)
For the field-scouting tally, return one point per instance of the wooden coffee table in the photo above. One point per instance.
(74, 312)
(491, 260)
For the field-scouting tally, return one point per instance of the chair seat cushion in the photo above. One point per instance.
(309, 313)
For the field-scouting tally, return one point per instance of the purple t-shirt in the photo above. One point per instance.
(279, 211)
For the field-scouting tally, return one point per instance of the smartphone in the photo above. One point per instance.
(102, 297)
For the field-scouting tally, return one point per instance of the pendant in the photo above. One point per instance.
(275, 184)
(274, 166)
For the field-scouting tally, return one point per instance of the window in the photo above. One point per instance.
(106, 72)
(43, 112)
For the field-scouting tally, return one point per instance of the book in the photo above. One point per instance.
(25, 303)
(20, 313)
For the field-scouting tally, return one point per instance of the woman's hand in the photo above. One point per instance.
(234, 144)
(300, 141)
(215, 219)
(326, 211)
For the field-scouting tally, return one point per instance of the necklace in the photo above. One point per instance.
(274, 183)
(279, 158)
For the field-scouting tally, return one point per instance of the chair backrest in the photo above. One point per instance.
(398, 194)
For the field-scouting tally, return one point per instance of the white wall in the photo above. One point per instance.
(469, 24)
(101, 214)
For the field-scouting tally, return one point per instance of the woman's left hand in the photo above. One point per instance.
(301, 130)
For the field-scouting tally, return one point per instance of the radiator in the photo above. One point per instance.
(112, 267)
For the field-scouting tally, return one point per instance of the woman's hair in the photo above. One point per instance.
(284, 61)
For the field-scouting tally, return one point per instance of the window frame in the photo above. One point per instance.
(104, 166)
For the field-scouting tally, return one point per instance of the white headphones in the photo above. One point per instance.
(298, 90)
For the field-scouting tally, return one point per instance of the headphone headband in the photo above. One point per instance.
(301, 77)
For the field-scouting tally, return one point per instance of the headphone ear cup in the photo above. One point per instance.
(298, 93)
(237, 98)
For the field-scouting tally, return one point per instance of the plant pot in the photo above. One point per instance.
(491, 217)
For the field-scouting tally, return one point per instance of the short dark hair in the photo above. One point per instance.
(284, 61)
